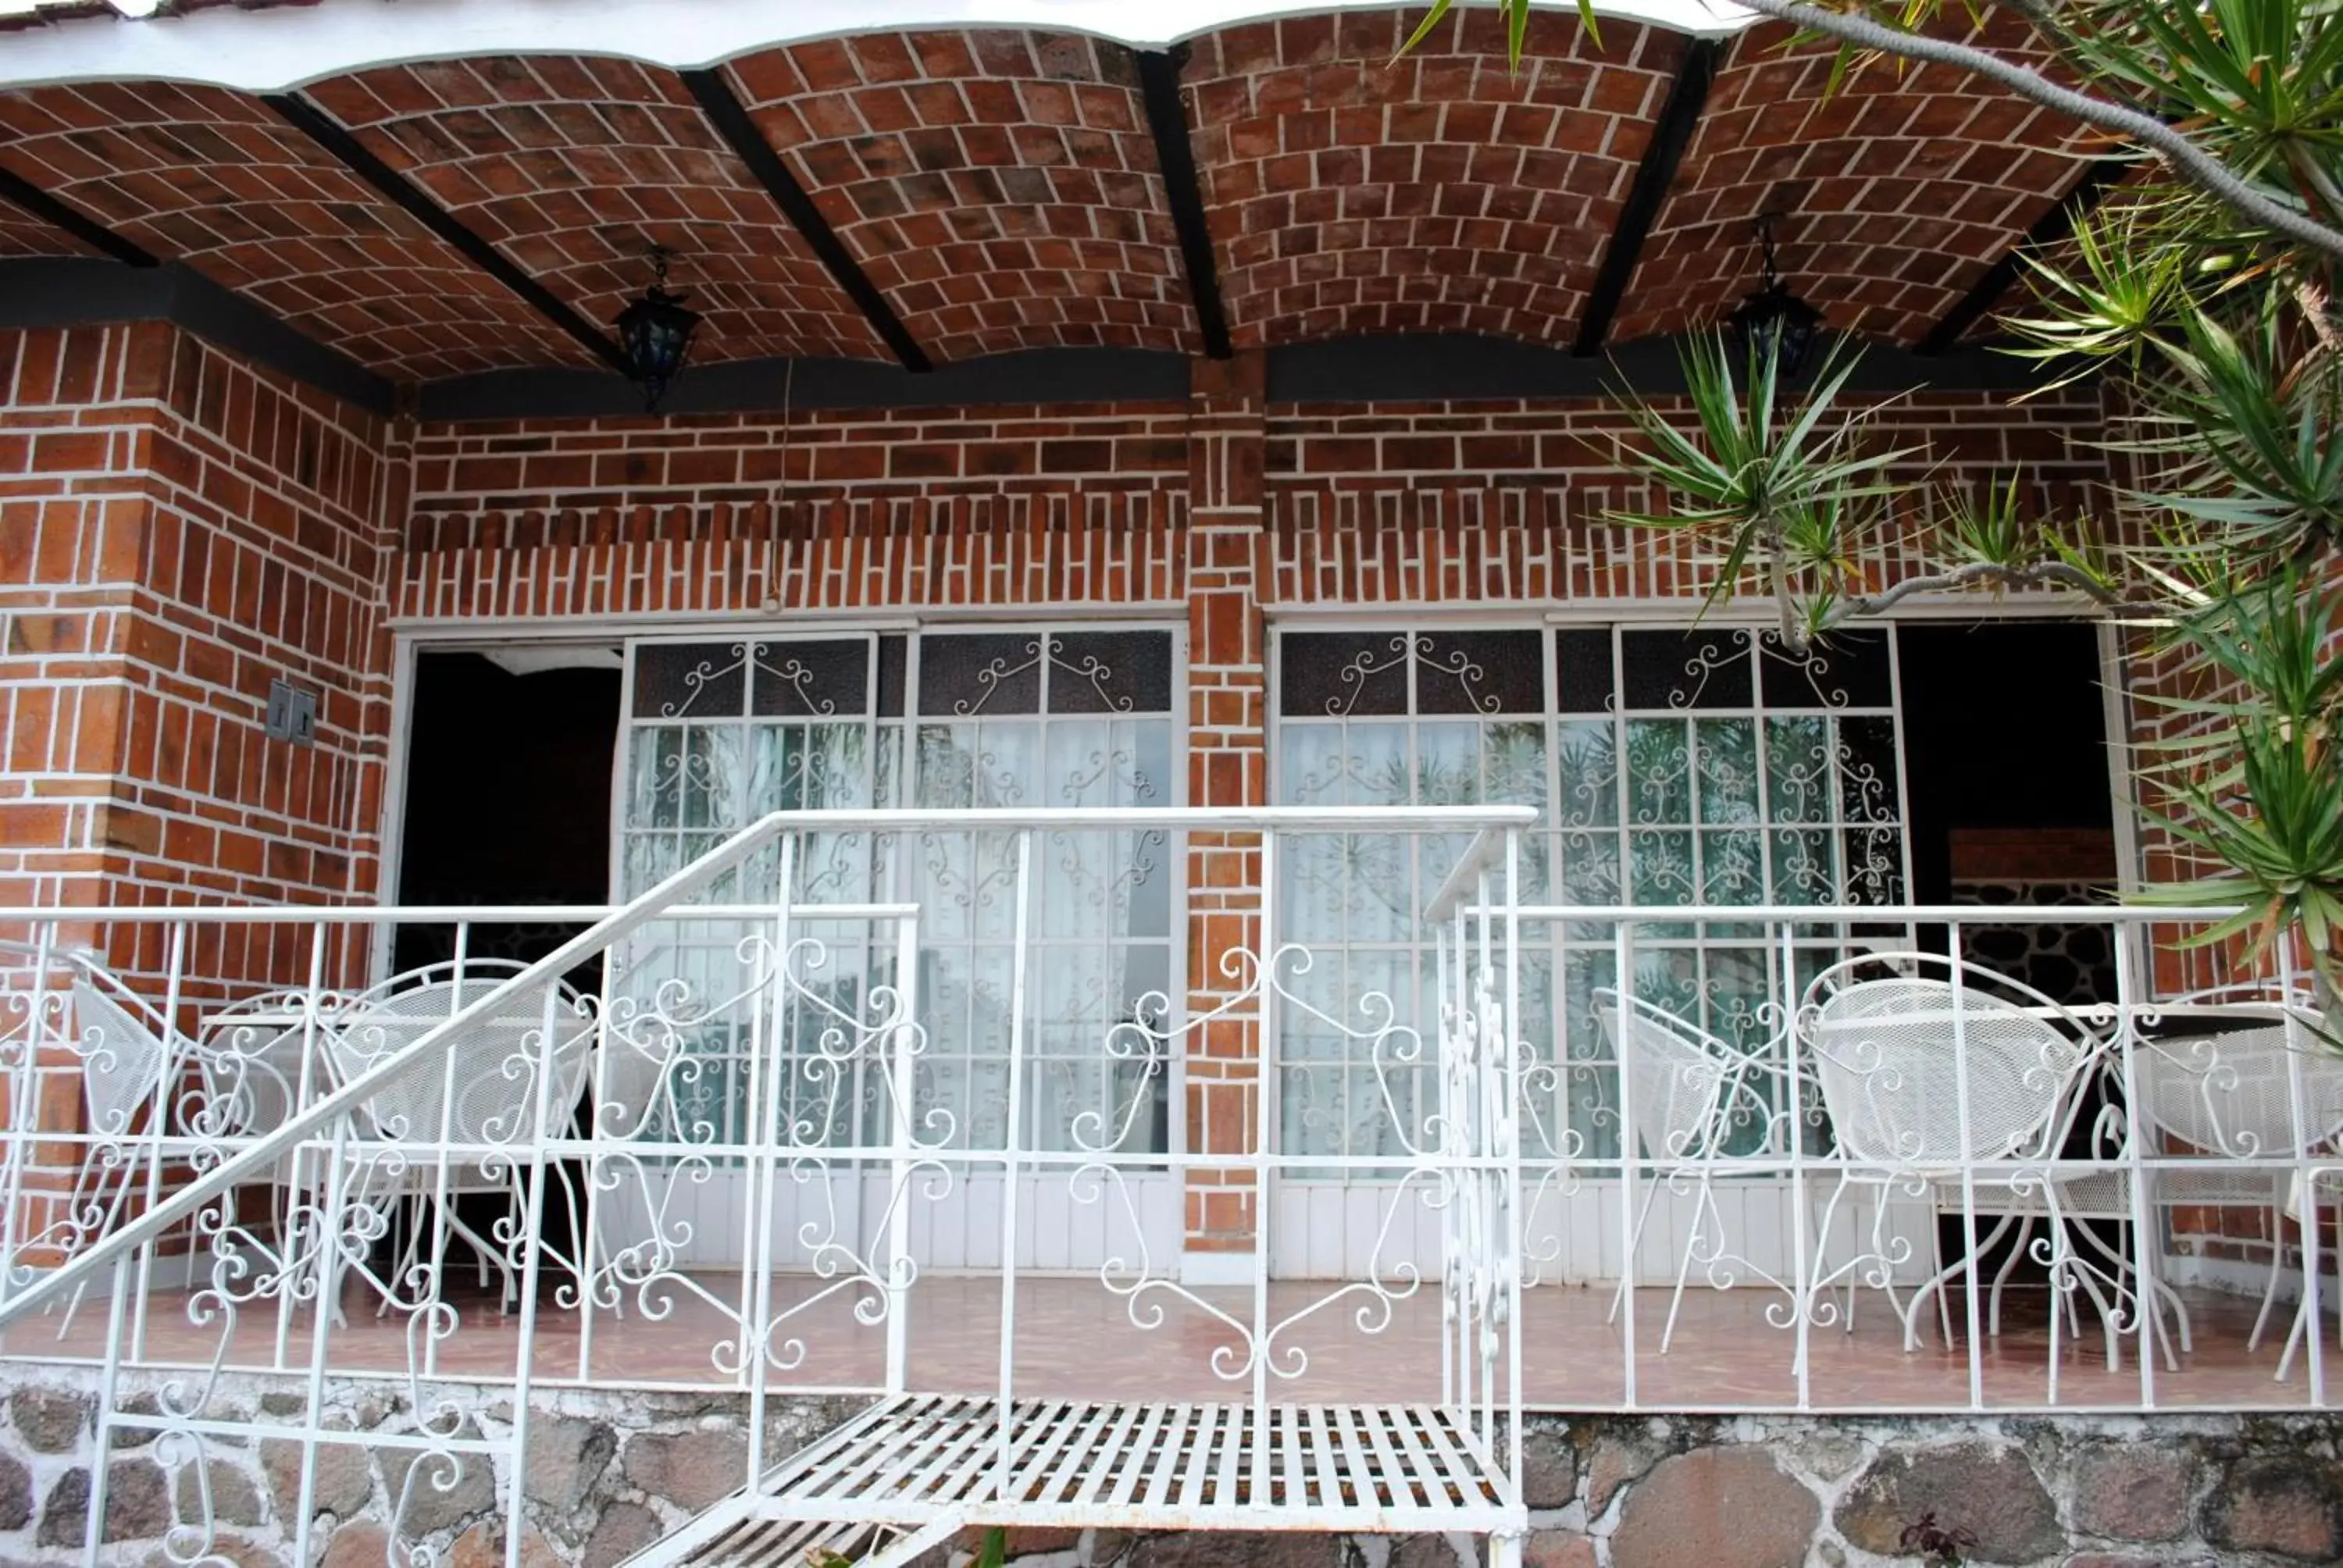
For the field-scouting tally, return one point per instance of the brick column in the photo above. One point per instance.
(1228, 765)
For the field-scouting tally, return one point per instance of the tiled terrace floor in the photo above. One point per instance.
(1076, 1339)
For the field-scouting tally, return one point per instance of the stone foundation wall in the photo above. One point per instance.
(608, 1473)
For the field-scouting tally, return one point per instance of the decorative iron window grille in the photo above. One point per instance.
(720, 733)
(1676, 767)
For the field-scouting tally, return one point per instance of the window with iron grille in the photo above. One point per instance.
(720, 733)
(1672, 768)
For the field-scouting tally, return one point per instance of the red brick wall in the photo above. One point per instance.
(184, 528)
(176, 529)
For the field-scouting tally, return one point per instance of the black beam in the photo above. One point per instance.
(1159, 88)
(1655, 176)
(2087, 191)
(24, 193)
(732, 122)
(351, 154)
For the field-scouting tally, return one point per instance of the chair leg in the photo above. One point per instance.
(2269, 1288)
(1703, 1204)
(1627, 1260)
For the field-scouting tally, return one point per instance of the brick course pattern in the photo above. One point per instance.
(217, 180)
(1001, 190)
(1351, 192)
(177, 529)
(1000, 187)
(575, 167)
(22, 233)
(1896, 189)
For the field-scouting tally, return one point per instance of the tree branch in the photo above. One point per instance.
(1976, 572)
(2191, 162)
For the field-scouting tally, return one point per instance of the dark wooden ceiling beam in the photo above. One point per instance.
(1175, 158)
(2090, 187)
(33, 199)
(1655, 177)
(738, 128)
(346, 149)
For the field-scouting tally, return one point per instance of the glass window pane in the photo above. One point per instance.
(1480, 672)
(894, 656)
(1867, 769)
(1340, 673)
(1873, 872)
(1663, 868)
(990, 674)
(1588, 754)
(1733, 867)
(1582, 672)
(1802, 868)
(1659, 772)
(1111, 672)
(796, 680)
(1728, 770)
(1698, 668)
(690, 680)
(1853, 670)
(1798, 768)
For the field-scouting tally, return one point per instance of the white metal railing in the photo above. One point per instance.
(748, 1156)
(278, 1153)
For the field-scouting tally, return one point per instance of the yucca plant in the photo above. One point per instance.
(2204, 290)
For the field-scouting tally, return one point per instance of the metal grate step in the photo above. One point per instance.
(929, 1465)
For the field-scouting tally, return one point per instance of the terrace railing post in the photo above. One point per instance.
(2306, 1176)
(1622, 958)
(1510, 1169)
(2147, 1242)
(764, 1128)
(1266, 1069)
(532, 1254)
(901, 1046)
(24, 1129)
(1802, 1245)
(1968, 1191)
(1010, 1169)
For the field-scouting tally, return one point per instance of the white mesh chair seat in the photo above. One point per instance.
(1681, 1085)
(1891, 1056)
(465, 1119)
(2253, 1086)
(252, 1056)
(1961, 1089)
(123, 1055)
(483, 1090)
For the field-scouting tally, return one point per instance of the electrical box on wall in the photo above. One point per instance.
(292, 713)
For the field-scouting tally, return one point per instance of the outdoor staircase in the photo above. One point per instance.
(912, 1471)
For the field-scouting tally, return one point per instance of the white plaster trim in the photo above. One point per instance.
(1211, 1270)
(269, 51)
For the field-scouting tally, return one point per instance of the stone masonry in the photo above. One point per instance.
(608, 1473)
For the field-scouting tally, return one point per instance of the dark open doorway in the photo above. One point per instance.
(2011, 804)
(2005, 760)
(507, 797)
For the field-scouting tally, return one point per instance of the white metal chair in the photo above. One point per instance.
(1949, 1083)
(128, 1050)
(1686, 1089)
(2230, 1094)
(258, 1059)
(484, 1091)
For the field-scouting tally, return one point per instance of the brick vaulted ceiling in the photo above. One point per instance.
(1000, 187)
(1441, 192)
(994, 190)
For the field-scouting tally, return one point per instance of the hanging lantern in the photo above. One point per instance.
(1774, 323)
(656, 332)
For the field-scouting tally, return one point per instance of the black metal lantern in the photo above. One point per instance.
(1773, 322)
(655, 332)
